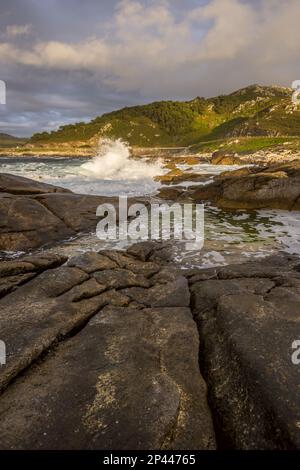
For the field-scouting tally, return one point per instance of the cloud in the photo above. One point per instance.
(145, 45)
(147, 49)
(18, 30)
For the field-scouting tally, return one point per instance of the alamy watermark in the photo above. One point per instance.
(296, 94)
(2, 353)
(296, 354)
(152, 222)
(2, 92)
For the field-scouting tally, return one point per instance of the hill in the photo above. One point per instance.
(7, 140)
(252, 111)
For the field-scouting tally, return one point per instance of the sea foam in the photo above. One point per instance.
(113, 162)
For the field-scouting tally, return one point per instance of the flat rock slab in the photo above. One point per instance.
(247, 326)
(90, 367)
(118, 384)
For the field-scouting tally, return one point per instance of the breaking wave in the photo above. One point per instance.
(113, 162)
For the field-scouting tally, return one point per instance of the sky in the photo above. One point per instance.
(66, 61)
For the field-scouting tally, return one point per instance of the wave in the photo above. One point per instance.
(113, 162)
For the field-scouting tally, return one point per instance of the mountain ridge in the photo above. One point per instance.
(251, 111)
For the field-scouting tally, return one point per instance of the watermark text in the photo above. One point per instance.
(152, 222)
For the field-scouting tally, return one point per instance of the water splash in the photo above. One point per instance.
(113, 162)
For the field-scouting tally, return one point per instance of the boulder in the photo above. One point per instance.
(173, 193)
(13, 184)
(248, 318)
(35, 214)
(177, 175)
(273, 187)
(219, 158)
(26, 224)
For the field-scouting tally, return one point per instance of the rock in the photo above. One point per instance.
(149, 250)
(133, 263)
(91, 262)
(177, 176)
(113, 387)
(26, 224)
(13, 184)
(10, 283)
(171, 194)
(120, 279)
(89, 366)
(142, 250)
(248, 318)
(219, 158)
(77, 211)
(175, 293)
(274, 187)
(104, 352)
(191, 160)
(15, 273)
(35, 214)
(245, 171)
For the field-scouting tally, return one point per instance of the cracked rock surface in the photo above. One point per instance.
(248, 318)
(102, 353)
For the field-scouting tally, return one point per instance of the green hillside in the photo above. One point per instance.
(7, 140)
(252, 111)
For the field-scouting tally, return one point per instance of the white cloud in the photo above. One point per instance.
(146, 48)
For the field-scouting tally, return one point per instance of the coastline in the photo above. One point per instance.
(268, 156)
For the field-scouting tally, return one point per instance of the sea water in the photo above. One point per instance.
(230, 236)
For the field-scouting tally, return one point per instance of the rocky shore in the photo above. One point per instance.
(103, 350)
(276, 187)
(280, 154)
(260, 157)
(35, 214)
(84, 149)
(103, 353)
(125, 350)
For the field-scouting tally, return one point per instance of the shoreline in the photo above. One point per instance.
(260, 157)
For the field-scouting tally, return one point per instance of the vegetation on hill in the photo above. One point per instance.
(252, 111)
(248, 145)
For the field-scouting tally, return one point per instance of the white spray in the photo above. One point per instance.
(113, 163)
